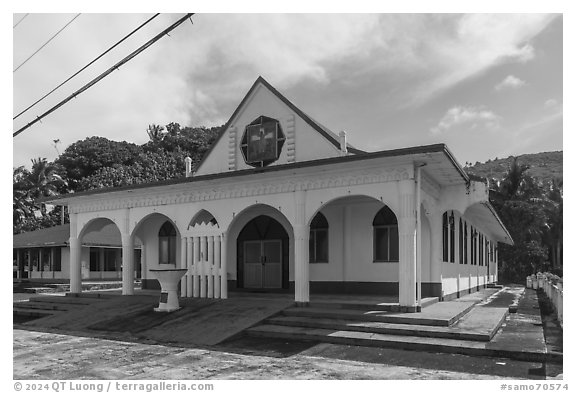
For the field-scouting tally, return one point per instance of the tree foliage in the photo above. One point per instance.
(43, 180)
(84, 158)
(532, 213)
(97, 162)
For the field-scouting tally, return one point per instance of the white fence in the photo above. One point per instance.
(552, 287)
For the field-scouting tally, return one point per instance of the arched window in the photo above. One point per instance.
(474, 246)
(167, 244)
(385, 235)
(445, 237)
(452, 237)
(461, 242)
(319, 239)
(465, 243)
(480, 250)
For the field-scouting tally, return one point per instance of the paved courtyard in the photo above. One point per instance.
(44, 355)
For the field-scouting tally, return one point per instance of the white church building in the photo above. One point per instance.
(282, 204)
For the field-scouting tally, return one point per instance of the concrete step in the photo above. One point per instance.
(46, 306)
(439, 314)
(64, 300)
(86, 286)
(37, 313)
(388, 328)
(89, 295)
(427, 344)
(357, 304)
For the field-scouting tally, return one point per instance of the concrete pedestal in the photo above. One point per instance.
(169, 280)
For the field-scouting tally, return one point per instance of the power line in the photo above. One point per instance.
(86, 66)
(46, 43)
(106, 73)
(17, 23)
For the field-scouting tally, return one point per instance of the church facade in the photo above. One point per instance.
(282, 204)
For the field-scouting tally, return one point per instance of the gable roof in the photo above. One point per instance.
(53, 236)
(324, 131)
(58, 236)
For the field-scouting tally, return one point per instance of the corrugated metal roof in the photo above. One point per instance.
(107, 236)
(54, 236)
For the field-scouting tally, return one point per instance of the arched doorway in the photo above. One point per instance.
(263, 255)
(160, 238)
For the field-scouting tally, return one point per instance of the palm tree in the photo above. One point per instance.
(22, 204)
(554, 225)
(512, 186)
(155, 133)
(44, 179)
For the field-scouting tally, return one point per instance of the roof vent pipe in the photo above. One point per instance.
(343, 144)
(188, 162)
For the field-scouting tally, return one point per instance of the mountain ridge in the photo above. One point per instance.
(544, 166)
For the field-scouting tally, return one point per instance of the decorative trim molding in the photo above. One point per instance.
(232, 148)
(247, 189)
(291, 138)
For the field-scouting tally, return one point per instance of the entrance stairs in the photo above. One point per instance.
(41, 306)
(43, 288)
(460, 326)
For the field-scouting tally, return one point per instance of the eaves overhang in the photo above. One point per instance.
(440, 163)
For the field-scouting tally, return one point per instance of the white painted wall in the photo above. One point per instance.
(458, 277)
(351, 257)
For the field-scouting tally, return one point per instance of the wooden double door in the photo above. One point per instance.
(263, 264)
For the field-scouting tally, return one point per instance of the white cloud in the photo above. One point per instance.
(473, 44)
(197, 75)
(510, 82)
(467, 117)
(551, 103)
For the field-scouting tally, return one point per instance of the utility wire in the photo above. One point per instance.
(46, 43)
(106, 73)
(17, 23)
(86, 66)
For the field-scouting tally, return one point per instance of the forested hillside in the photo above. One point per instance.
(542, 166)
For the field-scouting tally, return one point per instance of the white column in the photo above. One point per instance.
(203, 258)
(436, 249)
(347, 231)
(189, 266)
(496, 263)
(301, 255)
(209, 271)
(127, 265)
(75, 265)
(217, 266)
(183, 265)
(301, 251)
(418, 236)
(196, 288)
(407, 234)
(224, 267)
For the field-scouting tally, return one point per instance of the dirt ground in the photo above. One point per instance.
(43, 355)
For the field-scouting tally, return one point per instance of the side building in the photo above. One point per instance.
(44, 255)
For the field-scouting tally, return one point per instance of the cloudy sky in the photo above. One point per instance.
(486, 85)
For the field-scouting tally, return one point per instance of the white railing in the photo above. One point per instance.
(552, 287)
